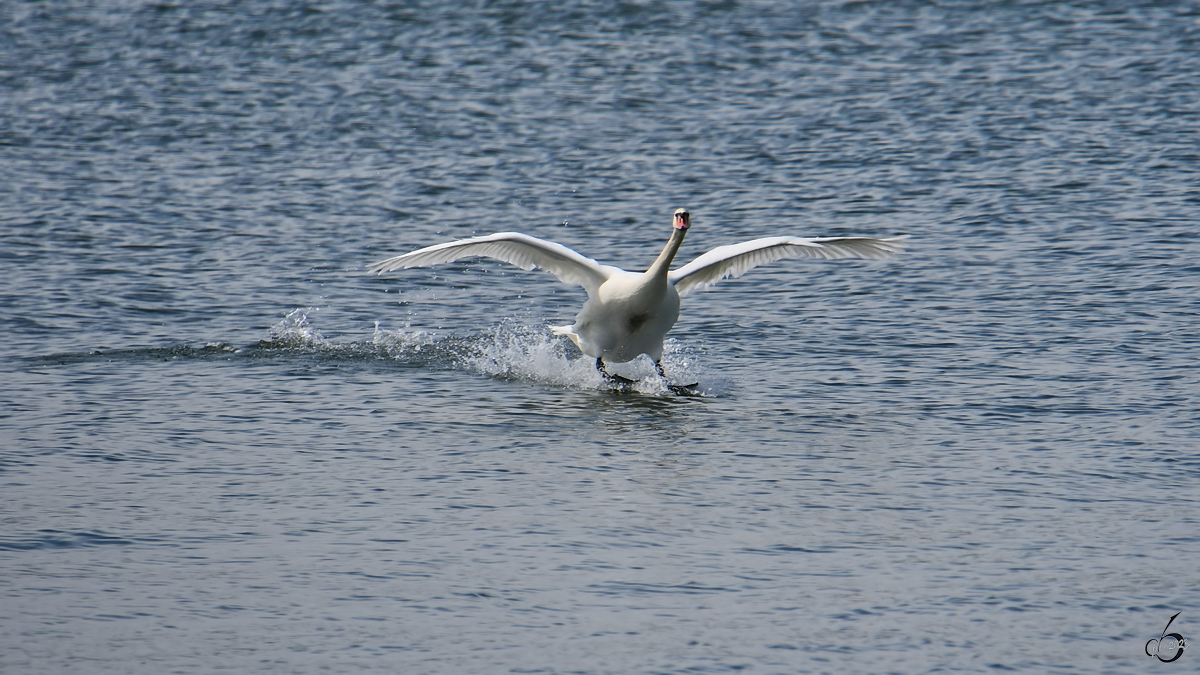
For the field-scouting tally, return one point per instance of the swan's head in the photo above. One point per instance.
(683, 219)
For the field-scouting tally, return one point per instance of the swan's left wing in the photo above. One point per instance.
(736, 259)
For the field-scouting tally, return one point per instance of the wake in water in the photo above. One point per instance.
(508, 351)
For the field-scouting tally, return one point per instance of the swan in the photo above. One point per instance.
(628, 314)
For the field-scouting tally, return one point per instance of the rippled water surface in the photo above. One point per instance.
(225, 447)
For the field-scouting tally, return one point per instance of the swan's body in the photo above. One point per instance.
(628, 314)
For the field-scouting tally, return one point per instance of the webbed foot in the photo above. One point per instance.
(684, 389)
(618, 381)
(678, 389)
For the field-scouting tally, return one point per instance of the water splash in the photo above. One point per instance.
(522, 352)
(509, 350)
(296, 332)
(400, 344)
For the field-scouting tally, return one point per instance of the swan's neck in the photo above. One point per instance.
(663, 263)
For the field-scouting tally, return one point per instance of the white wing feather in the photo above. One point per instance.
(736, 259)
(514, 248)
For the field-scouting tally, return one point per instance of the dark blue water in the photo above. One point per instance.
(225, 447)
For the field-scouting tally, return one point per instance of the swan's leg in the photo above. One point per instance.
(616, 379)
(675, 388)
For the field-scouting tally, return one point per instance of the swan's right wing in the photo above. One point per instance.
(514, 248)
(736, 259)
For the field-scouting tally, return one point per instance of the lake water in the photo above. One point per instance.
(224, 447)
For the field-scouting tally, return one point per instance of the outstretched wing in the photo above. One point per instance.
(734, 260)
(514, 248)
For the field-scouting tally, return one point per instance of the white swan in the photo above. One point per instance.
(628, 314)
